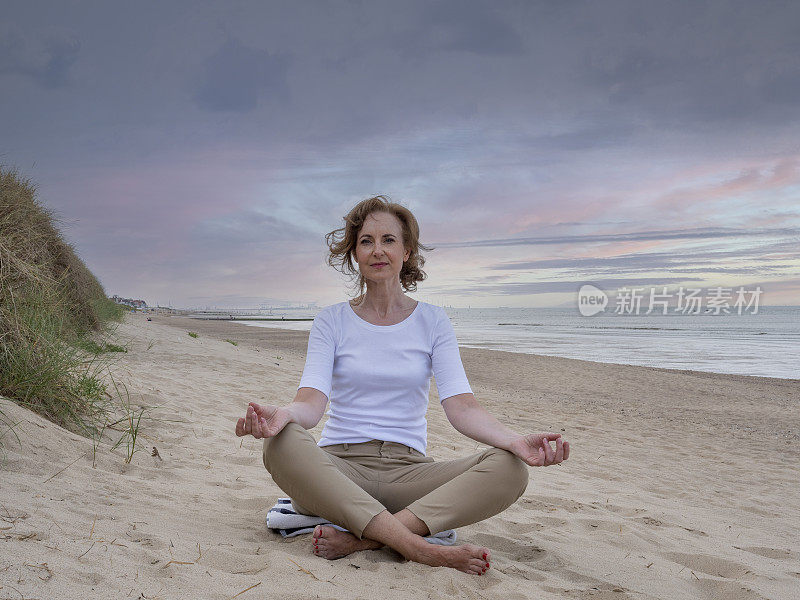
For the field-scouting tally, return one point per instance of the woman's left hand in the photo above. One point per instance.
(535, 449)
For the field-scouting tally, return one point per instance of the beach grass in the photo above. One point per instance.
(89, 345)
(192, 334)
(52, 309)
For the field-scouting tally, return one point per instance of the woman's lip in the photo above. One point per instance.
(380, 264)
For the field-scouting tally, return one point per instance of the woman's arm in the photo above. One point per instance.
(312, 394)
(471, 419)
(308, 407)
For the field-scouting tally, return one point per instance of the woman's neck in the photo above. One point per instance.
(384, 300)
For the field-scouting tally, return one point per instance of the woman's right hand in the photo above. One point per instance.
(263, 421)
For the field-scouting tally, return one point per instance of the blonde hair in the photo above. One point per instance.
(342, 243)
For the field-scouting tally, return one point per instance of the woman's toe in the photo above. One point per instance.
(477, 564)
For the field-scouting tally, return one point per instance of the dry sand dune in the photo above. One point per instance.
(680, 485)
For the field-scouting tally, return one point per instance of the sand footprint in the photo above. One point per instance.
(651, 521)
(712, 565)
(529, 554)
(715, 588)
(600, 525)
(774, 553)
(624, 511)
(514, 528)
(590, 587)
(552, 503)
(593, 593)
(248, 459)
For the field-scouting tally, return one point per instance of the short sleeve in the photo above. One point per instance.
(318, 371)
(446, 361)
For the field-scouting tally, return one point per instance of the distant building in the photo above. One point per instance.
(137, 304)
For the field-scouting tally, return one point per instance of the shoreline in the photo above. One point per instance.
(731, 401)
(215, 333)
(680, 484)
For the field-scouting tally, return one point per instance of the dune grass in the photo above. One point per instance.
(89, 345)
(51, 310)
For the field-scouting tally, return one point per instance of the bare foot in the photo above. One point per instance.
(331, 543)
(467, 558)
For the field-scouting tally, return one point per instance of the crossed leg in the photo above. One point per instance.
(328, 489)
(331, 543)
(387, 529)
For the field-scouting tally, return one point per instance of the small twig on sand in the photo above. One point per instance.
(251, 571)
(9, 518)
(306, 571)
(90, 547)
(47, 570)
(21, 595)
(65, 468)
(250, 588)
(177, 562)
(21, 537)
(181, 562)
(113, 542)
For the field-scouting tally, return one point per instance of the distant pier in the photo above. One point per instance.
(234, 315)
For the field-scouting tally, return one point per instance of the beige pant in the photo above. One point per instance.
(348, 484)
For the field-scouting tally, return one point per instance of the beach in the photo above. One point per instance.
(681, 484)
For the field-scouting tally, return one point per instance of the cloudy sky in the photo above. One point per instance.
(197, 153)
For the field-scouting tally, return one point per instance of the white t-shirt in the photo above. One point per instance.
(377, 377)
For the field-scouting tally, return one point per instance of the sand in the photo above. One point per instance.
(681, 484)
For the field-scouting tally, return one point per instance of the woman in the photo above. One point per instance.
(374, 358)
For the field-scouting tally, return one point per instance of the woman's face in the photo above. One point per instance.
(379, 247)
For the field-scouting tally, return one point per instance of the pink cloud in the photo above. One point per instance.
(749, 179)
(627, 247)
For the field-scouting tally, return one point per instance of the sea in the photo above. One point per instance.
(764, 343)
